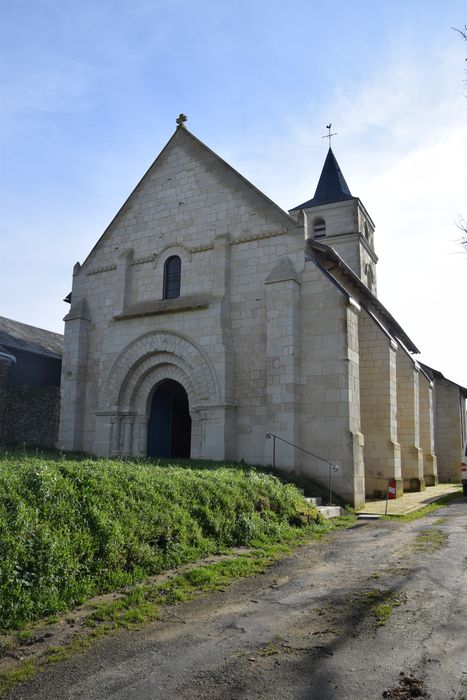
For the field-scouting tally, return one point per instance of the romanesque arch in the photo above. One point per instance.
(131, 381)
(154, 354)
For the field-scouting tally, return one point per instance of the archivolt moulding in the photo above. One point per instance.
(148, 354)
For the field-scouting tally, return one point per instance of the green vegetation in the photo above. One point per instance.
(73, 527)
(20, 674)
(394, 571)
(382, 603)
(269, 650)
(429, 540)
(145, 602)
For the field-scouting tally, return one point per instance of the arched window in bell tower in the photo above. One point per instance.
(368, 233)
(319, 228)
(370, 278)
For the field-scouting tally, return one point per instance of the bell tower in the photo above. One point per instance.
(334, 217)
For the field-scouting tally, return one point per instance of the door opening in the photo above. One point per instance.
(169, 425)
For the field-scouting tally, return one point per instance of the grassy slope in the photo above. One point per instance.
(71, 527)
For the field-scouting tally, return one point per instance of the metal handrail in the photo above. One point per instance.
(332, 466)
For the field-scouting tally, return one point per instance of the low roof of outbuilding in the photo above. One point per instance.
(20, 336)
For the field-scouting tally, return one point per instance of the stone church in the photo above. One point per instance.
(206, 317)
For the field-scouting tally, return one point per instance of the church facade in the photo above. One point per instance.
(206, 317)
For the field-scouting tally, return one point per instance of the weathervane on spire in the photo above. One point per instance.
(329, 135)
(181, 119)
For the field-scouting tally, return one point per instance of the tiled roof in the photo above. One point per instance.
(436, 374)
(20, 336)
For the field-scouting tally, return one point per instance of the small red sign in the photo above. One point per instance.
(392, 489)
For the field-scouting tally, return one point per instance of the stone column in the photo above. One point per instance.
(140, 436)
(378, 396)
(124, 274)
(73, 383)
(408, 420)
(115, 434)
(353, 470)
(283, 362)
(427, 436)
(127, 425)
(223, 354)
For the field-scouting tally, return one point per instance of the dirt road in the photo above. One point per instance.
(309, 628)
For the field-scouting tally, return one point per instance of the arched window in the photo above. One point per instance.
(319, 228)
(370, 278)
(368, 233)
(172, 270)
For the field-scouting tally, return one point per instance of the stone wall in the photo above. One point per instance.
(330, 395)
(29, 415)
(449, 429)
(408, 417)
(427, 435)
(378, 387)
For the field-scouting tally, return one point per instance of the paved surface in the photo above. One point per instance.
(305, 630)
(410, 502)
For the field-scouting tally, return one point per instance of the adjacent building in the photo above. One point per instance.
(30, 369)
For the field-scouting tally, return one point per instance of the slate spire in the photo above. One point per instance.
(332, 186)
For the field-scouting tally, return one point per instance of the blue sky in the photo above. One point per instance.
(90, 92)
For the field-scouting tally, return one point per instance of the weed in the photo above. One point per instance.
(17, 675)
(389, 571)
(56, 653)
(429, 540)
(25, 635)
(381, 603)
(269, 650)
(52, 619)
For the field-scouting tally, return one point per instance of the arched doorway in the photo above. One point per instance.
(169, 425)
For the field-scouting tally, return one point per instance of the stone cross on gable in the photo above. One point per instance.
(181, 120)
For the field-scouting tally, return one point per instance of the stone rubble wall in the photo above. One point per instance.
(29, 415)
